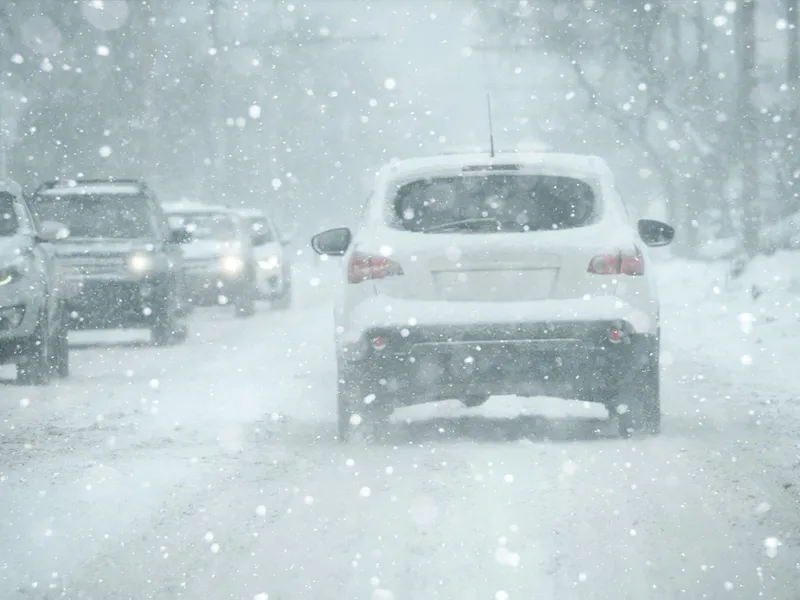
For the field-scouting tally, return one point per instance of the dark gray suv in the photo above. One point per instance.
(33, 328)
(122, 261)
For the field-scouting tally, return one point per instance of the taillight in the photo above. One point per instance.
(368, 266)
(619, 263)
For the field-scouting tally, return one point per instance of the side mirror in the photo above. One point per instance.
(655, 233)
(333, 242)
(52, 231)
(180, 235)
(258, 239)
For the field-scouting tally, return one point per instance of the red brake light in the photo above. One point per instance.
(605, 264)
(620, 263)
(363, 267)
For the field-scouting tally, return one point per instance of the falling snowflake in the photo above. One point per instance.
(102, 50)
(771, 545)
(105, 151)
(365, 492)
(390, 83)
(254, 111)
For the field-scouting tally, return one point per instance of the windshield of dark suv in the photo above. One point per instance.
(8, 217)
(260, 225)
(494, 202)
(98, 216)
(207, 226)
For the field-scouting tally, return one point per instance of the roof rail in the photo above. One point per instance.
(49, 185)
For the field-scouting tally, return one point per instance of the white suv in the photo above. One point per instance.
(474, 276)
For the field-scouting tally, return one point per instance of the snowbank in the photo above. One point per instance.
(749, 321)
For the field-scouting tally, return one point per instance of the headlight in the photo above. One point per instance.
(140, 263)
(232, 264)
(269, 263)
(14, 271)
(8, 276)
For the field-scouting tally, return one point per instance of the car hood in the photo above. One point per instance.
(76, 247)
(10, 248)
(210, 248)
(267, 250)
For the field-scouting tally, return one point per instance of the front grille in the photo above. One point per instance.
(201, 265)
(88, 267)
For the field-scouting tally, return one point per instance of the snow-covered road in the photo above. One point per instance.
(210, 471)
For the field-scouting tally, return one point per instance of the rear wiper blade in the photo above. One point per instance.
(465, 224)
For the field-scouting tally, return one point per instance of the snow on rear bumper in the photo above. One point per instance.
(383, 312)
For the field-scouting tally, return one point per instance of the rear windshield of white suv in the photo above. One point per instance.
(494, 202)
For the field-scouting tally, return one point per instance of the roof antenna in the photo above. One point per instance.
(491, 129)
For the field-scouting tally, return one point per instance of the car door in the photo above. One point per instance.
(173, 251)
(43, 256)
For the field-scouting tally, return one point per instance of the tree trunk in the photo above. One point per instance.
(748, 126)
(793, 83)
(149, 43)
(220, 150)
(793, 59)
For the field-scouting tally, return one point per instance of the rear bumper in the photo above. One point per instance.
(375, 311)
(417, 364)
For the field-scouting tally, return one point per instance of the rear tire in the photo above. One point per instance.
(354, 415)
(244, 301)
(638, 406)
(60, 348)
(34, 367)
(284, 301)
(167, 328)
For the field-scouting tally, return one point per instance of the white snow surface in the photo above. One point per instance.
(90, 188)
(209, 471)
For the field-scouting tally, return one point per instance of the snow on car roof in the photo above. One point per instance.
(11, 187)
(91, 188)
(194, 207)
(251, 212)
(577, 165)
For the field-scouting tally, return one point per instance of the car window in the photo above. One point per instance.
(207, 226)
(29, 214)
(9, 219)
(512, 202)
(261, 225)
(99, 216)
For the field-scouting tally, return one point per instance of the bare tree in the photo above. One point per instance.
(747, 117)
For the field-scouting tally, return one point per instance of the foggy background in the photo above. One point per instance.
(291, 105)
